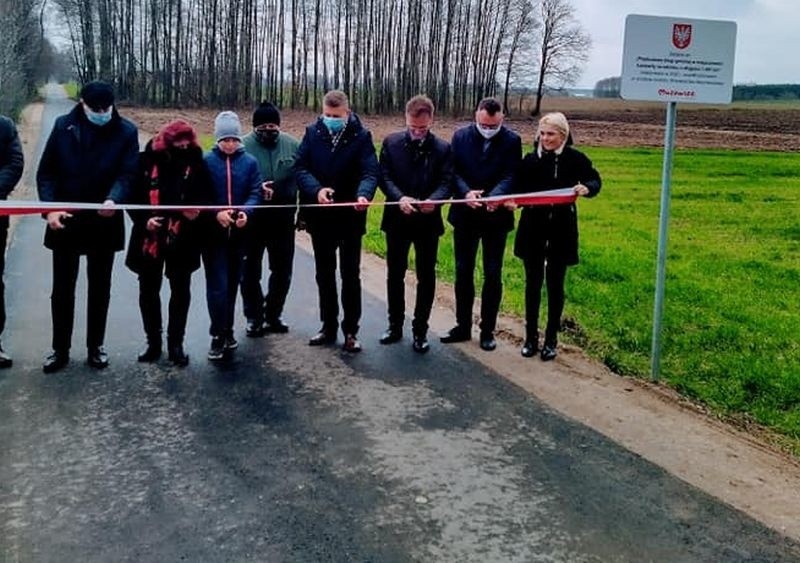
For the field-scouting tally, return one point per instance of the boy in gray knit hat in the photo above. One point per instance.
(235, 188)
(227, 126)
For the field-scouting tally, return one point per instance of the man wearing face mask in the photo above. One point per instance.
(91, 156)
(485, 156)
(270, 229)
(336, 162)
(416, 167)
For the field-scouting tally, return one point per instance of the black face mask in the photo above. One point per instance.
(268, 136)
(178, 154)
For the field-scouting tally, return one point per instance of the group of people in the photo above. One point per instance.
(253, 183)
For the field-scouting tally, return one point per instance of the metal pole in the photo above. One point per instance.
(666, 181)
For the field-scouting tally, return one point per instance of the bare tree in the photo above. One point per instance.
(563, 47)
(519, 43)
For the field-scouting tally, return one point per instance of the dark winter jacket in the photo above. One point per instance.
(11, 161)
(551, 231)
(350, 168)
(276, 163)
(178, 178)
(421, 170)
(490, 170)
(85, 163)
(240, 193)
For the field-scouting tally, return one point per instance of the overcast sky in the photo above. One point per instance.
(767, 34)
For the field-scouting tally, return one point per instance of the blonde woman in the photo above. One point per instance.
(547, 236)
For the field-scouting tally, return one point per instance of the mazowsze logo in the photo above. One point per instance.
(681, 35)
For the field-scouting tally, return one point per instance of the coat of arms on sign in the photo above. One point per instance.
(681, 35)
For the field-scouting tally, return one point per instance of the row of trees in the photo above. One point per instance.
(232, 52)
(611, 87)
(23, 51)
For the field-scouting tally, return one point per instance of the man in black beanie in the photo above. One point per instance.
(270, 229)
(91, 156)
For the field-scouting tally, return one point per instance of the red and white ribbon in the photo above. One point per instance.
(21, 207)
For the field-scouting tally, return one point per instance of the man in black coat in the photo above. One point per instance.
(416, 167)
(11, 164)
(336, 162)
(91, 156)
(485, 156)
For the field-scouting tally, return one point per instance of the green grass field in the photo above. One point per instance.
(731, 325)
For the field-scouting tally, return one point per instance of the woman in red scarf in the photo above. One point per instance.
(171, 172)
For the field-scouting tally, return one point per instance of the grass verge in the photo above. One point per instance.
(733, 277)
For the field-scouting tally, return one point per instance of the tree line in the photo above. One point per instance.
(24, 53)
(380, 52)
(610, 88)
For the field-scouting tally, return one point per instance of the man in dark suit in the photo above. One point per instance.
(485, 156)
(11, 164)
(336, 162)
(91, 156)
(416, 167)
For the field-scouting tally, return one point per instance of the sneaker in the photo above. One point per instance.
(217, 350)
(230, 343)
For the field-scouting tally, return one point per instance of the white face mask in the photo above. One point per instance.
(486, 132)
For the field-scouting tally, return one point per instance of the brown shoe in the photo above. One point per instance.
(351, 344)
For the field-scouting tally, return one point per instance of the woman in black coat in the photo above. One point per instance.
(171, 172)
(547, 235)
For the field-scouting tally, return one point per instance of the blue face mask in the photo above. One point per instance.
(334, 124)
(98, 118)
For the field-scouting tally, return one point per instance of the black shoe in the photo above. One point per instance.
(548, 352)
(151, 353)
(488, 342)
(456, 334)
(529, 349)
(324, 336)
(230, 343)
(276, 326)
(392, 334)
(254, 328)
(216, 351)
(96, 357)
(5, 359)
(177, 356)
(420, 344)
(55, 361)
(351, 344)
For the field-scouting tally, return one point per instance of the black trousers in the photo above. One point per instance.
(465, 243)
(279, 244)
(326, 246)
(150, 280)
(536, 271)
(426, 247)
(62, 299)
(3, 240)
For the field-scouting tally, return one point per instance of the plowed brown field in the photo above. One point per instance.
(594, 123)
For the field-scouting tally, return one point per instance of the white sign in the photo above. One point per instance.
(678, 60)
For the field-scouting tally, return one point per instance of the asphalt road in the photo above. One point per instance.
(292, 453)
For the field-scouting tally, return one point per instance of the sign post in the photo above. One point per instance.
(674, 60)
